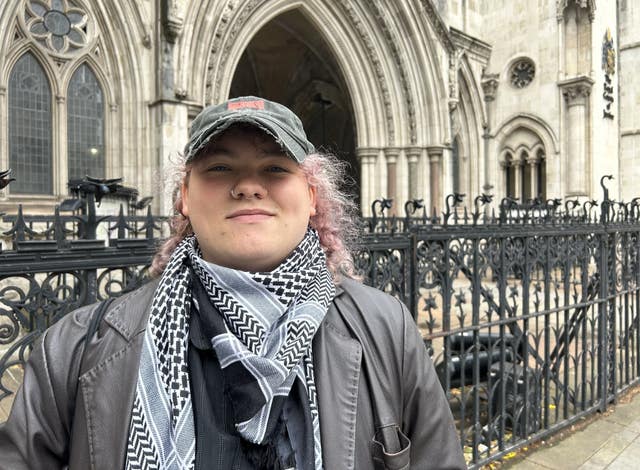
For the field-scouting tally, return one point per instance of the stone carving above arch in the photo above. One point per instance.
(63, 31)
(526, 129)
(172, 18)
(590, 5)
(219, 51)
(399, 60)
(377, 65)
(438, 24)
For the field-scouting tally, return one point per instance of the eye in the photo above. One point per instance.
(218, 167)
(277, 169)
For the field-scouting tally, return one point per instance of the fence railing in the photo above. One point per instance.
(530, 311)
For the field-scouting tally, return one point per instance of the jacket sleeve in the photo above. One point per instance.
(37, 432)
(428, 421)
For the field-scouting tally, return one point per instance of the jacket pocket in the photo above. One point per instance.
(391, 449)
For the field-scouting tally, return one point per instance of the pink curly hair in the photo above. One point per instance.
(336, 217)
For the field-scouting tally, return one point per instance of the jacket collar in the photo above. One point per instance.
(137, 306)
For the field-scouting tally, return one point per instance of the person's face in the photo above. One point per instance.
(248, 202)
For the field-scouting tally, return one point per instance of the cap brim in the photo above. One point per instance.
(283, 136)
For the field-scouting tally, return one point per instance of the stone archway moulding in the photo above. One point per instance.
(563, 4)
(535, 125)
(390, 108)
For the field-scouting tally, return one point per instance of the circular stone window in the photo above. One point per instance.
(522, 73)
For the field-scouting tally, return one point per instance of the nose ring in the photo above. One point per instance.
(233, 193)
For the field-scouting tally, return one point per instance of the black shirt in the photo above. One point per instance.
(218, 444)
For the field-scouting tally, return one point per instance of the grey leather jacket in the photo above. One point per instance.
(373, 376)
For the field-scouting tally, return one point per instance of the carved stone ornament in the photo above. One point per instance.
(588, 4)
(59, 26)
(399, 59)
(522, 72)
(377, 65)
(172, 20)
(576, 91)
(490, 84)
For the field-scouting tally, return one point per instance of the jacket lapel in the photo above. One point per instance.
(337, 358)
(108, 407)
(108, 388)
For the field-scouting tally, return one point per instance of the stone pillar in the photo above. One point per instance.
(60, 163)
(4, 137)
(506, 167)
(113, 157)
(435, 172)
(391, 157)
(171, 119)
(519, 189)
(576, 93)
(490, 84)
(534, 168)
(413, 157)
(367, 158)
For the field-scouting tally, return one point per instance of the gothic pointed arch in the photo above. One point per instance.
(467, 119)
(525, 145)
(85, 125)
(30, 126)
(288, 61)
(533, 123)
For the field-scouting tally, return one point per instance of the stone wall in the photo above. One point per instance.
(629, 97)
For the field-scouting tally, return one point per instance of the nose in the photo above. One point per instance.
(248, 187)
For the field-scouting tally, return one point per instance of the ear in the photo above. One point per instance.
(184, 194)
(312, 200)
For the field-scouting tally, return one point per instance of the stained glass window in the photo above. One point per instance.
(30, 154)
(85, 127)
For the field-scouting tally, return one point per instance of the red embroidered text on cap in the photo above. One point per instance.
(253, 104)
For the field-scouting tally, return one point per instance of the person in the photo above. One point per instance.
(256, 347)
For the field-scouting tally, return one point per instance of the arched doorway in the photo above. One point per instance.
(288, 61)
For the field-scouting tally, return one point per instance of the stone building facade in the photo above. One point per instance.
(421, 97)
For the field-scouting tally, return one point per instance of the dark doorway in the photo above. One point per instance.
(288, 61)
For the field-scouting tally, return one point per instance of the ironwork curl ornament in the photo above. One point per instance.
(58, 25)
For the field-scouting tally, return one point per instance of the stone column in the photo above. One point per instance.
(534, 168)
(391, 156)
(4, 129)
(490, 84)
(170, 119)
(367, 158)
(576, 93)
(506, 167)
(435, 171)
(113, 157)
(519, 190)
(413, 157)
(60, 163)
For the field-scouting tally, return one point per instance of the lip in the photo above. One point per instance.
(250, 215)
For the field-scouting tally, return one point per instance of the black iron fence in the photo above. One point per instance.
(530, 311)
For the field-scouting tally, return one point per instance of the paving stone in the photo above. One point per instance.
(527, 465)
(589, 465)
(578, 448)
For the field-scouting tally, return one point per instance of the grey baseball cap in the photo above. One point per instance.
(273, 118)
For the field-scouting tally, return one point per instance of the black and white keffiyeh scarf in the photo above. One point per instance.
(269, 323)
